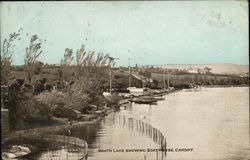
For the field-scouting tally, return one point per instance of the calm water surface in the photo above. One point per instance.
(214, 122)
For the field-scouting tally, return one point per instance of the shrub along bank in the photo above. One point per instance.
(33, 105)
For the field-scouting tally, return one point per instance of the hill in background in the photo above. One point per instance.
(216, 68)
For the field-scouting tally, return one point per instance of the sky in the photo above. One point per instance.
(149, 33)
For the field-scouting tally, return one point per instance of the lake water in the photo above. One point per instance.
(209, 123)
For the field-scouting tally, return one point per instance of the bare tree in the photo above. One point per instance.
(33, 51)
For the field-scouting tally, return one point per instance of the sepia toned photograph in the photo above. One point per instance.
(124, 80)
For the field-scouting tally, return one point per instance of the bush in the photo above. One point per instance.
(51, 98)
(23, 107)
(61, 111)
(84, 92)
(5, 71)
(36, 111)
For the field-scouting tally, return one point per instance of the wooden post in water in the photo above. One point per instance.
(128, 123)
(68, 143)
(75, 143)
(165, 148)
(150, 131)
(156, 135)
(137, 125)
(124, 121)
(64, 140)
(157, 155)
(159, 138)
(78, 153)
(162, 140)
(162, 148)
(119, 119)
(142, 127)
(153, 134)
(132, 123)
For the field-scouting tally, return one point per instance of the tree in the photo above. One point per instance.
(85, 91)
(80, 53)
(33, 51)
(6, 56)
(68, 57)
(66, 70)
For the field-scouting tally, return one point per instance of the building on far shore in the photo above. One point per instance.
(197, 70)
(192, 70)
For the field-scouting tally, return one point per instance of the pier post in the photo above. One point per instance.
(132, 123)
(64, 140)
(156, 155)
(165, 148)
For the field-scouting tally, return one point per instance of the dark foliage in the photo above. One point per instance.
(23, 107)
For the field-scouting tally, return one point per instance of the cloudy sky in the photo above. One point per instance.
(150, 33)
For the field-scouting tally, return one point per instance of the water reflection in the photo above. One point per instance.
(143, 127)
(71, 153)
(212, 121)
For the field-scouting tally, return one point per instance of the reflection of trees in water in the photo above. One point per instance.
(88, 133)
(36, 146)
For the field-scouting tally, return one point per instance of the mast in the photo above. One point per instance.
(164, 79)
(110, 80)
(168, 78)
(129, 84)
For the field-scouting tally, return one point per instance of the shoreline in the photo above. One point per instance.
(224, 86)
(50, 129)
(95, 118)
